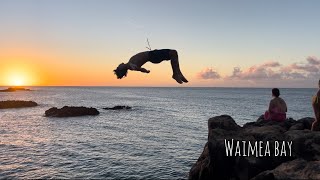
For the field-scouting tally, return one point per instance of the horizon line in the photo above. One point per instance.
(236, 87)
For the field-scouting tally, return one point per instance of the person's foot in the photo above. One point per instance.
(183, 78)
(177, 78)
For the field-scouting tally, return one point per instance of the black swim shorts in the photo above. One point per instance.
(157, 56)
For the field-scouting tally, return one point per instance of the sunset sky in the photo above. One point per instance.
(238, 43)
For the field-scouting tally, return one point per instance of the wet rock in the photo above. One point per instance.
(67, 111)
(16, 104)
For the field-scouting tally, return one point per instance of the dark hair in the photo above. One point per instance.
(120, 72)
(276, 92)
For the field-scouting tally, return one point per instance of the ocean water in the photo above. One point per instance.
(160, 138)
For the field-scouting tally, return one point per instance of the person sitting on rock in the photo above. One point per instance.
(154, 56)
(316, 110)
(277, 107)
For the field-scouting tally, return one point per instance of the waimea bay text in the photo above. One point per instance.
(258, 148)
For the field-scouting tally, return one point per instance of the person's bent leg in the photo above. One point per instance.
(266, 115)
(177, 75)
(315, 125)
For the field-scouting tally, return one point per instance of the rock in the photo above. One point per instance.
(305, 144)
(13, 89)
(296, 169)
(16, 104)
(67, 111)
(201, 169)
(118, 108)
(307, 122)
(223, 122)
(214, 163)
(265, 175)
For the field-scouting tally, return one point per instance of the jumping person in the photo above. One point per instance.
(154, 56)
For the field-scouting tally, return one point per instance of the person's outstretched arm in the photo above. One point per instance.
(134, 67)
(143, 70)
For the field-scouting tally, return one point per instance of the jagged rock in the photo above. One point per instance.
(118, 108)
(16, 104)
(223, 122)
(214, 163)
(67, 111)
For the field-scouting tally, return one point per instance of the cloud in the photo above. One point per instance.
(208, 73)
(236, 72)
(270, 64)
(305, 67)
(271, 72)
(256, 72)
(308, 69)
(313, 60)
(276, 71)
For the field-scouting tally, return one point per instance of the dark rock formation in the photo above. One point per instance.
(67, 111)
(302, 163)
(13, 89)
(16, 104)
(118, 108)
(296, 169)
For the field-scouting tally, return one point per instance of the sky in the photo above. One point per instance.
(230, 43)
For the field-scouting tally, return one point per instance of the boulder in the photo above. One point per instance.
(118, 108)
(67, 111)
(16, 104)
(216, 162)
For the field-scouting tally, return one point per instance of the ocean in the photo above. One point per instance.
(161, 137)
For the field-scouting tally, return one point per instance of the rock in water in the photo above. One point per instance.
(118, 108)
(67, 111)
(13, 89)
(298, 160)
(16, 104)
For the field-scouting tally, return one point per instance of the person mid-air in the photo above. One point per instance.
(154, 56)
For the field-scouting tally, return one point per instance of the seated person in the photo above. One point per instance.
(154, 56)
(277, 107)
(316, 110)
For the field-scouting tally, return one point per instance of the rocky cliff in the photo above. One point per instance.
(259, 150)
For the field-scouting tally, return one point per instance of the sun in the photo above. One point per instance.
(17, 81)
(18, 77)
(18, 72)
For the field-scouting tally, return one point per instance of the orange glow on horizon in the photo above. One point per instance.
(41, 67)
(17, 81)
(17, 75)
